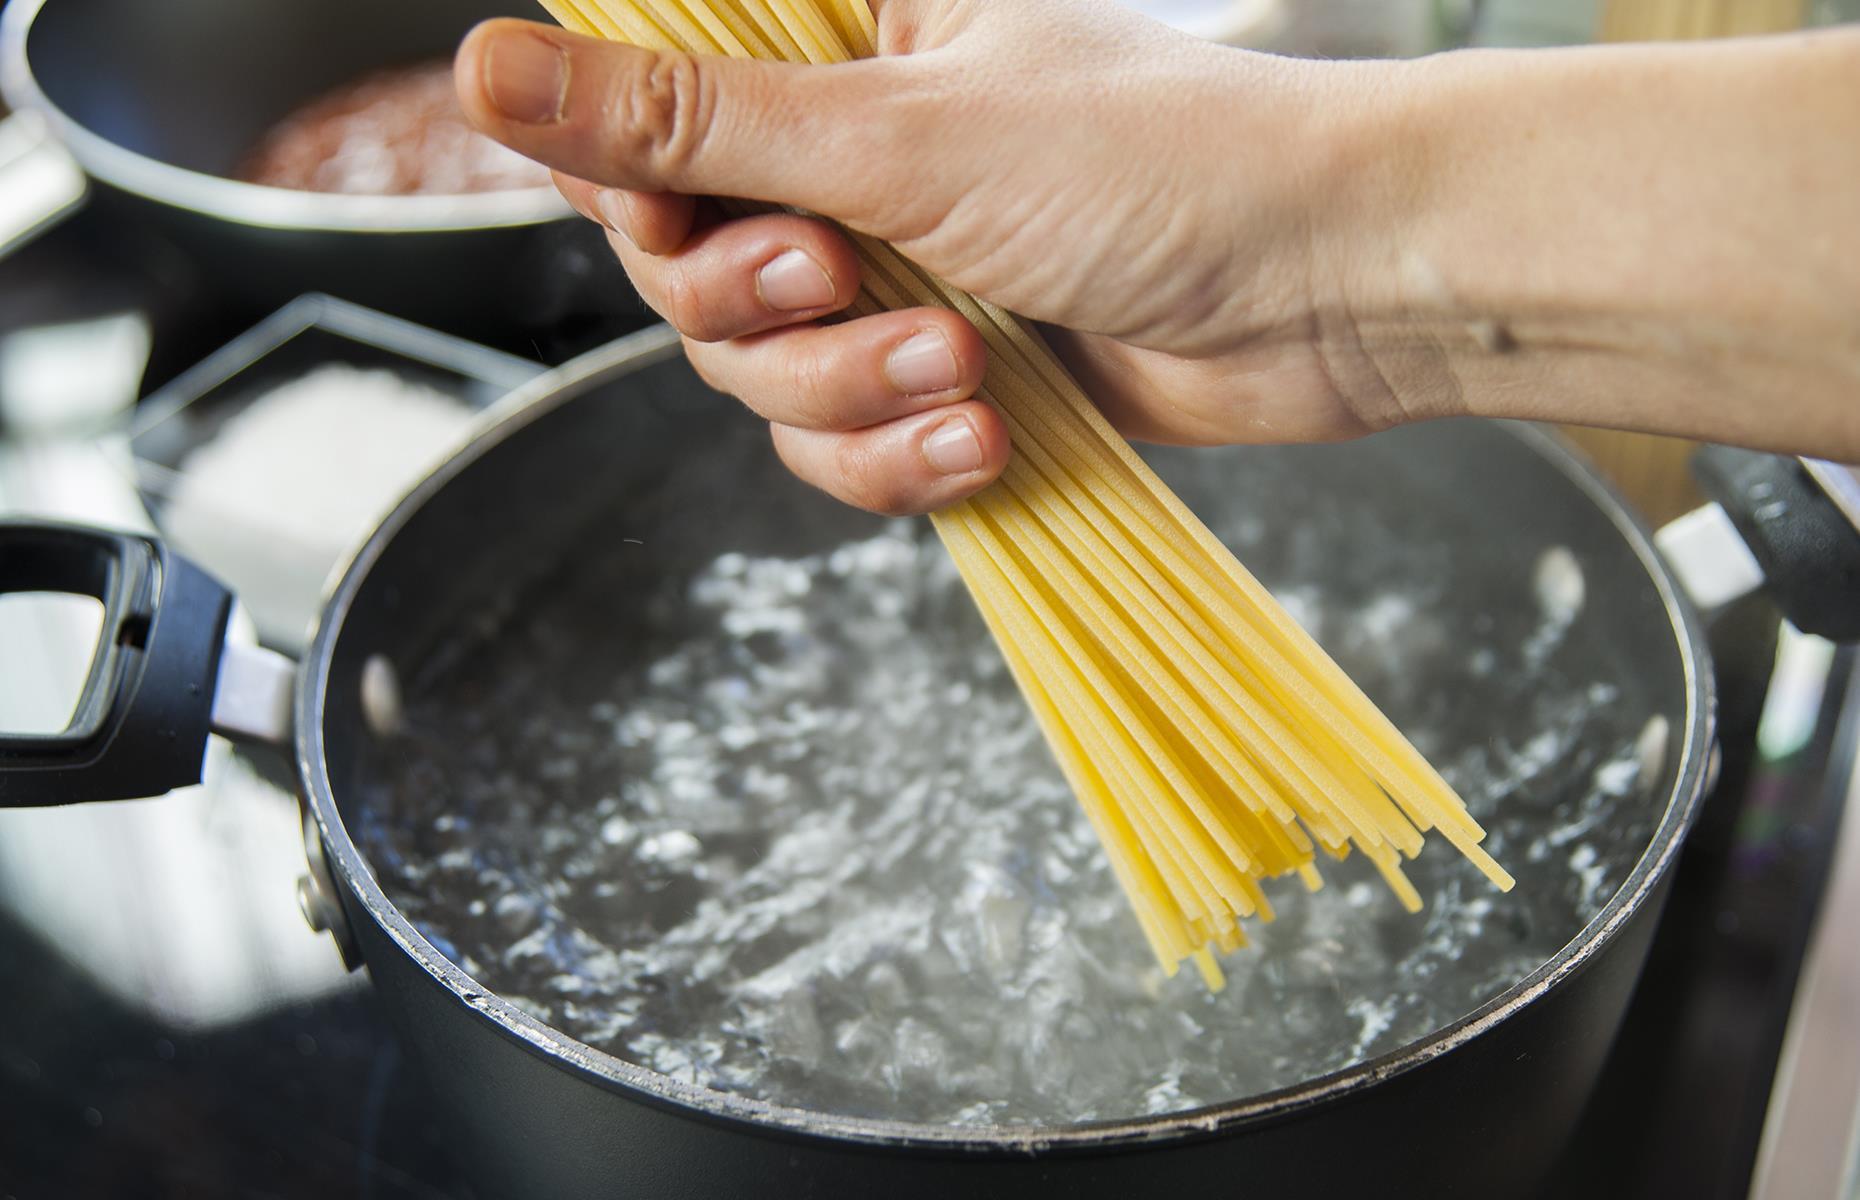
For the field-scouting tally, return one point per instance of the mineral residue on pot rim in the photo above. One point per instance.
(781, 826)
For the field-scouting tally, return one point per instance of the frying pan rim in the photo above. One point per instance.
(249, 203)
(551, 390)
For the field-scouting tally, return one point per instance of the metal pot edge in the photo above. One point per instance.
(247, 203)
(599, 366)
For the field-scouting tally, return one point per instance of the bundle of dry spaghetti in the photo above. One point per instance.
(1211, 742)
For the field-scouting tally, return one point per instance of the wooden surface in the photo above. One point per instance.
(1651, 471)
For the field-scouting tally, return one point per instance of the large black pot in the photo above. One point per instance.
(1478, 1107)
(159, 102)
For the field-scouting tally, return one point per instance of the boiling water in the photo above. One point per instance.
(787, 830)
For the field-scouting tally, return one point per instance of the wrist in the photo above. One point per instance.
(1533, 237)
(1373, 161)
(1610, 235)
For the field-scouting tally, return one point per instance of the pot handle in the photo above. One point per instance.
(1792, 525)
(1797, 531)
(162, 676)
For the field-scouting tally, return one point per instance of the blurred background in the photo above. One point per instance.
(236, 308)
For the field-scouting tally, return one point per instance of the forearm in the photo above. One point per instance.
(1649, 237)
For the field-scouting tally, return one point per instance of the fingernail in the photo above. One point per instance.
(953, 448)
(526, 78)
(922, 363)
(793, 281)
(614, 211)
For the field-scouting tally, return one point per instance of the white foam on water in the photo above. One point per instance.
(801, 840)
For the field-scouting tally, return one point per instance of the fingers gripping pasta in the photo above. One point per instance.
(1211, 742)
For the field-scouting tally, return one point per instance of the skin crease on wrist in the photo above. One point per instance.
(1645, 237)
(1225, 246)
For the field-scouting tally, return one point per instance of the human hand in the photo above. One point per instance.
(1164, 204)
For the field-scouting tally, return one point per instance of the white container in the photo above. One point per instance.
(267, 462)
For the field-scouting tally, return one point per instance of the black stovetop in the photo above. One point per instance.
(316, 1099)
(99, 1100)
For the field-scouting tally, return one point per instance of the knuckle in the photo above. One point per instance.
(649, 282)
(812, 385)
(699, 354)
(686, 306)
(905, 102)
(664, 108)
(866, 481)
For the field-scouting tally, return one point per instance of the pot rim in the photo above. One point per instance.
(547, 392)
(249, 203)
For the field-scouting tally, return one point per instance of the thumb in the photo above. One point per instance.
(661, 121)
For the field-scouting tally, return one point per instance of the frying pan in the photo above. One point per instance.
(159, 103)
(1476, 1106)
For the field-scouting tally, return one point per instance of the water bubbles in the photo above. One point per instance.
(1618, 778)
(797, 837)
(1591, 874)
(1560, 591)
(674, 847)
(1376, 1016)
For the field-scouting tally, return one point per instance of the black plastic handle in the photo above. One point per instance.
(140, 728)
(1808, 549)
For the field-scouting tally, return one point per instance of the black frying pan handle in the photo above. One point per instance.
(1808, 549)
(141, 723)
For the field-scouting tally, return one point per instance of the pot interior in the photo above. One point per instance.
(196, 83)
(718, 776)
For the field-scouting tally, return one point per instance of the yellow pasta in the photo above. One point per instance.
(1678, 20)
(1210, 741)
